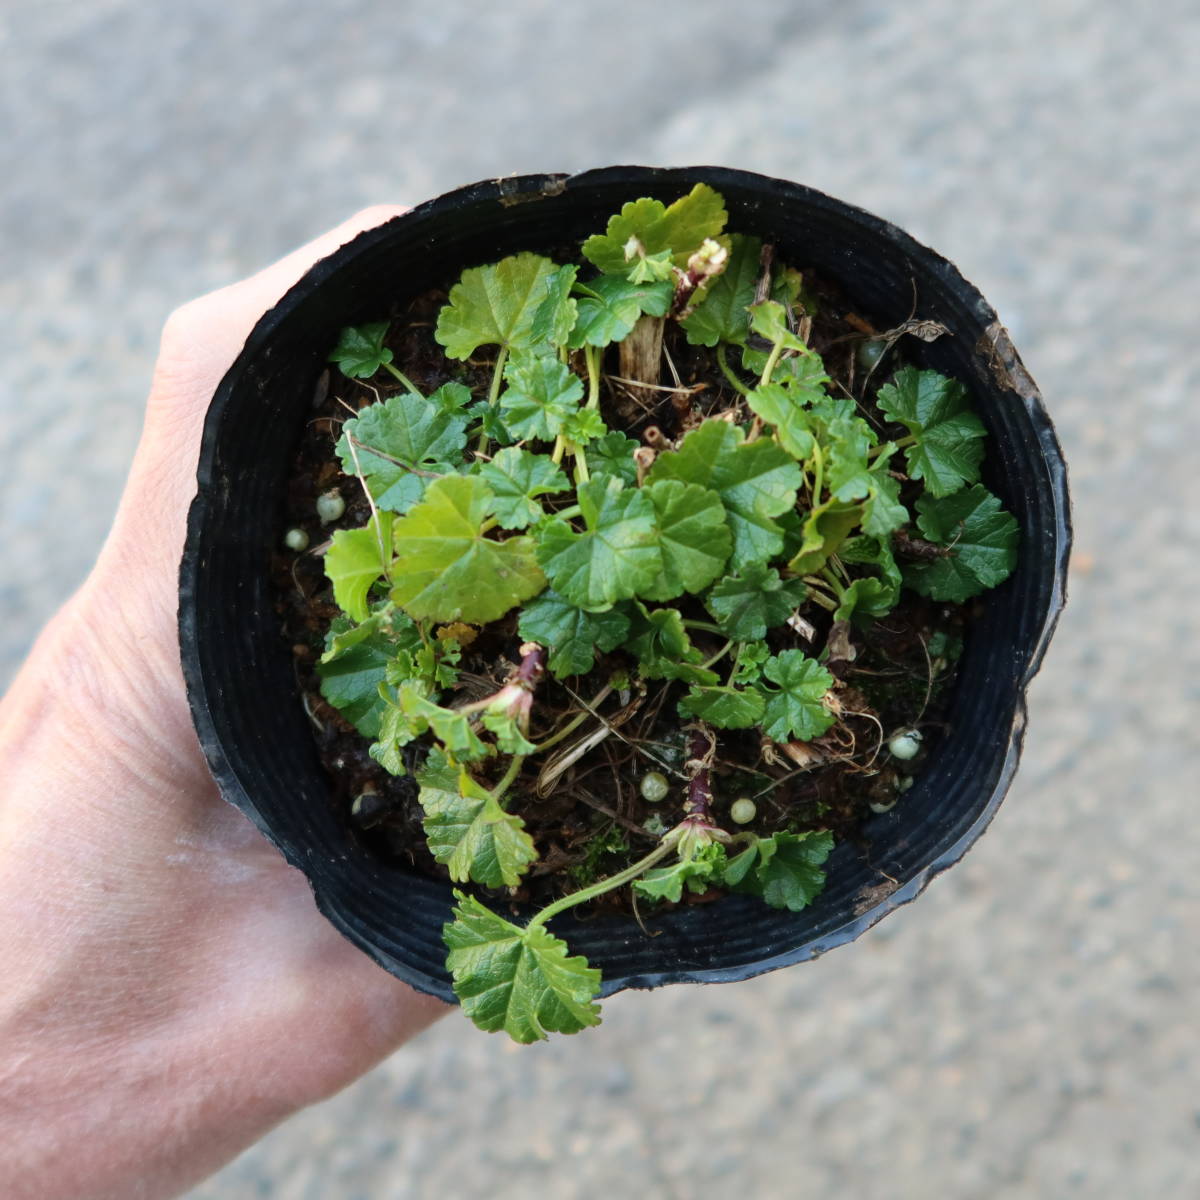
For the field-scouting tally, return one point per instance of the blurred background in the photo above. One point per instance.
(1028, 1028)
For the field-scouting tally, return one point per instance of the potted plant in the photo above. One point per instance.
(763, 508)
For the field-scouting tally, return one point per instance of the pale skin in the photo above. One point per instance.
(168, 991)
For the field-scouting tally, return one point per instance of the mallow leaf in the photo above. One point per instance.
(542, 394)
(785, 869)
(450, 727)
(521, 980)
(768, 319)
(980, 540)
(756, 481)
(356, 560)
(517, 478)
(555, 315)
(613, 558)
(660, 643)
(495, 305)
(697, 873)
(355, 663)
(692, 536)
(467, 829)
(725, 707)
(680, 228)
(360, 351)
(936, 411)
(751, 601)
(399, 436)
(796, 709)
(446, 569)
(571, 634)
(610, 306)
(612, 454)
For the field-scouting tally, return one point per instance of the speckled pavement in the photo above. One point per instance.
(1027, 1029)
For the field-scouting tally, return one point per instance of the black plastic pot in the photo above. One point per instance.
(238, 667)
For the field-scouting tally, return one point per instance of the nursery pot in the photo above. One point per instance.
(238, 666)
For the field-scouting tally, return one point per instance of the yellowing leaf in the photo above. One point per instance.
(357, 559)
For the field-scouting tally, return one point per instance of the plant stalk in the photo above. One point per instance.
(404, 379)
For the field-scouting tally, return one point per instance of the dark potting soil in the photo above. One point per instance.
(591, 819)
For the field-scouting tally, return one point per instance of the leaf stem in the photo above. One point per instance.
(704, 626)
(833, 582)
(818, 473)
(493, 393)
(514, 769)
(726, 370)
(604, 885)
(771, 363)
(404, 379)
(720, 654)
(899, 444)
(591, 355)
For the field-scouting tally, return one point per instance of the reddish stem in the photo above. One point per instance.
(533, 666)
(698, 806)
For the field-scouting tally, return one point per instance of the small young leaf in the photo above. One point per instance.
(692, 536)
(753, 600)
(883, 511)
(768, 319)
(756, 482)
(355, 662)
(616, 556)
(981, 539)
(651, 268)
(467, 829)
(936, 411)
(570, 634)
(680, 228)
(659, 641)
(517, 477)
(517, 979)
(360, 351)
(495, 305)
(356, 560)
(584, 426)
(612, 454)
(400, 435)
(784, 869)
(825, 529)
(445, 569)
(725, 707)
(610, 307)
(723, 316)
(395, 732)
(796, 709)
(542, 393)
(451, 728)
(782, 409)
(870, 597)
(697, 873)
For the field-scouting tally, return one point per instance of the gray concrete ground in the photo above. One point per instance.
(1028, 1029)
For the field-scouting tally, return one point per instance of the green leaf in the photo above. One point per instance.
(870, 597)
(615, 557)
(400, 434)
(784, 869)
(583, 426)
(723, 316)
(468, 831)
(783, 409)
(571, 634)
(555, 316)
(652, 268)
(756, 482)
(748, 665)
(612, 455)
(825, 529)
(495, 305)
(659, 641)
(936, 411)
(768, 319)
(848, 439)
(692, 536)
(445, 569)
(542, 393)
(883, 511)
(796, 709)
(697, 873)
(451, 728)
(518, 980)
(725, 707)
(611, 306)
(516, 478)
(355, 663)
(680, 228)
(360, 351)
(395, 732)
(754, 600)
(981, 539)
(355, 561)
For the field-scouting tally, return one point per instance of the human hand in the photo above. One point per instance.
(170, 991)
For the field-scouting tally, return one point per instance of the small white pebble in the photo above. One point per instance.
(743, 810)
(904, 782)
(905, 744)
(296, 539)
(654, 787)
(882, 806)
(330, 506)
